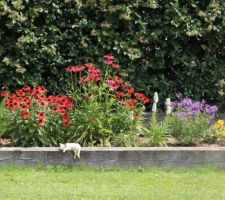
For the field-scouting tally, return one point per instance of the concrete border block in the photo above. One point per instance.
(116, 156)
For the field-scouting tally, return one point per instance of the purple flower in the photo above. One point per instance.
(187, 107)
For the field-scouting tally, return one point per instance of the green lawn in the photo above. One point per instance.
(22, 183)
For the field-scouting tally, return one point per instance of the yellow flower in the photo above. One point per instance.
(219, 123)
(221, 133)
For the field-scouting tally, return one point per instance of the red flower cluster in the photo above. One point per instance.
(123, 92)
(142, 97)
(113, 84)
(26, 100)
(126, 94)
(108, 60)
(93, 75)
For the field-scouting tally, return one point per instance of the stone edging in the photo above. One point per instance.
(116, 156)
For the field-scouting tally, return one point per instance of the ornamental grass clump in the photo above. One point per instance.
(191, 119)
(156, 132)
(108, 110)
(36, 119)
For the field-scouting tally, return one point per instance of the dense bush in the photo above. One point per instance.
(167, 45)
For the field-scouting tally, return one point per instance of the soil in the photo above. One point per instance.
(143, 142)
(4, 142)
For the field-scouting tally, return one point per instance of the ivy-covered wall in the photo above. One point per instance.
(165, 45)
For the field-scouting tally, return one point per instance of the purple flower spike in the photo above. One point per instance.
(187, 107)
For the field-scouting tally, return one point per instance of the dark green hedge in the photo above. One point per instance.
(165, 45)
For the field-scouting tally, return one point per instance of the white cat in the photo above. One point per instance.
(75, 147)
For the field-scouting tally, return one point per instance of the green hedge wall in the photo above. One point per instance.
(165, 45)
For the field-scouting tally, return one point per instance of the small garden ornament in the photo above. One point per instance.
(156, 100)
(168, 106)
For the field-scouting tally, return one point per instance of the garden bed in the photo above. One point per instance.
(118, 156)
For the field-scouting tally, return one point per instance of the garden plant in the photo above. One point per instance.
(99, 110)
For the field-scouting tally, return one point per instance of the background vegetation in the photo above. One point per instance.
(167, 45)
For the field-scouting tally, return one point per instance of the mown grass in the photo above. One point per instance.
(23, 183)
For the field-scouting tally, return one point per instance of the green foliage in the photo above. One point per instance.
(167, 45)
(157, 132)
(2, 119)
(190, 129)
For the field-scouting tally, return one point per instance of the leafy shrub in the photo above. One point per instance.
(168, 45)
(190, 129)
(35, 119)
(191, 119)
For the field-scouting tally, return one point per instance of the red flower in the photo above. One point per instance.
(29, 104)
(89, 65)
(40, 90)
(66, 120)
(77, 68)
(32, 92)
(66, 123)
(130, 105)
(142, 97)
(44, 103)
(25, 114)
(93, 74)
(4, 93)
(41, 121)
(55, 109)
(94, 70)
(145, 99)
(15, 104)
(51, 98)
(94, 117)
(84, 79)
(41, 115)
(115, 65)
(20, 93)
(6, 101)
(109, 57)
(119, 94)
(62, 111)
(118, 80)
(110, 81)
(133, 100)
(136, 116)
(26, 88)
(12, 96)
(130, 90)
(24, 107)
(108, 62)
